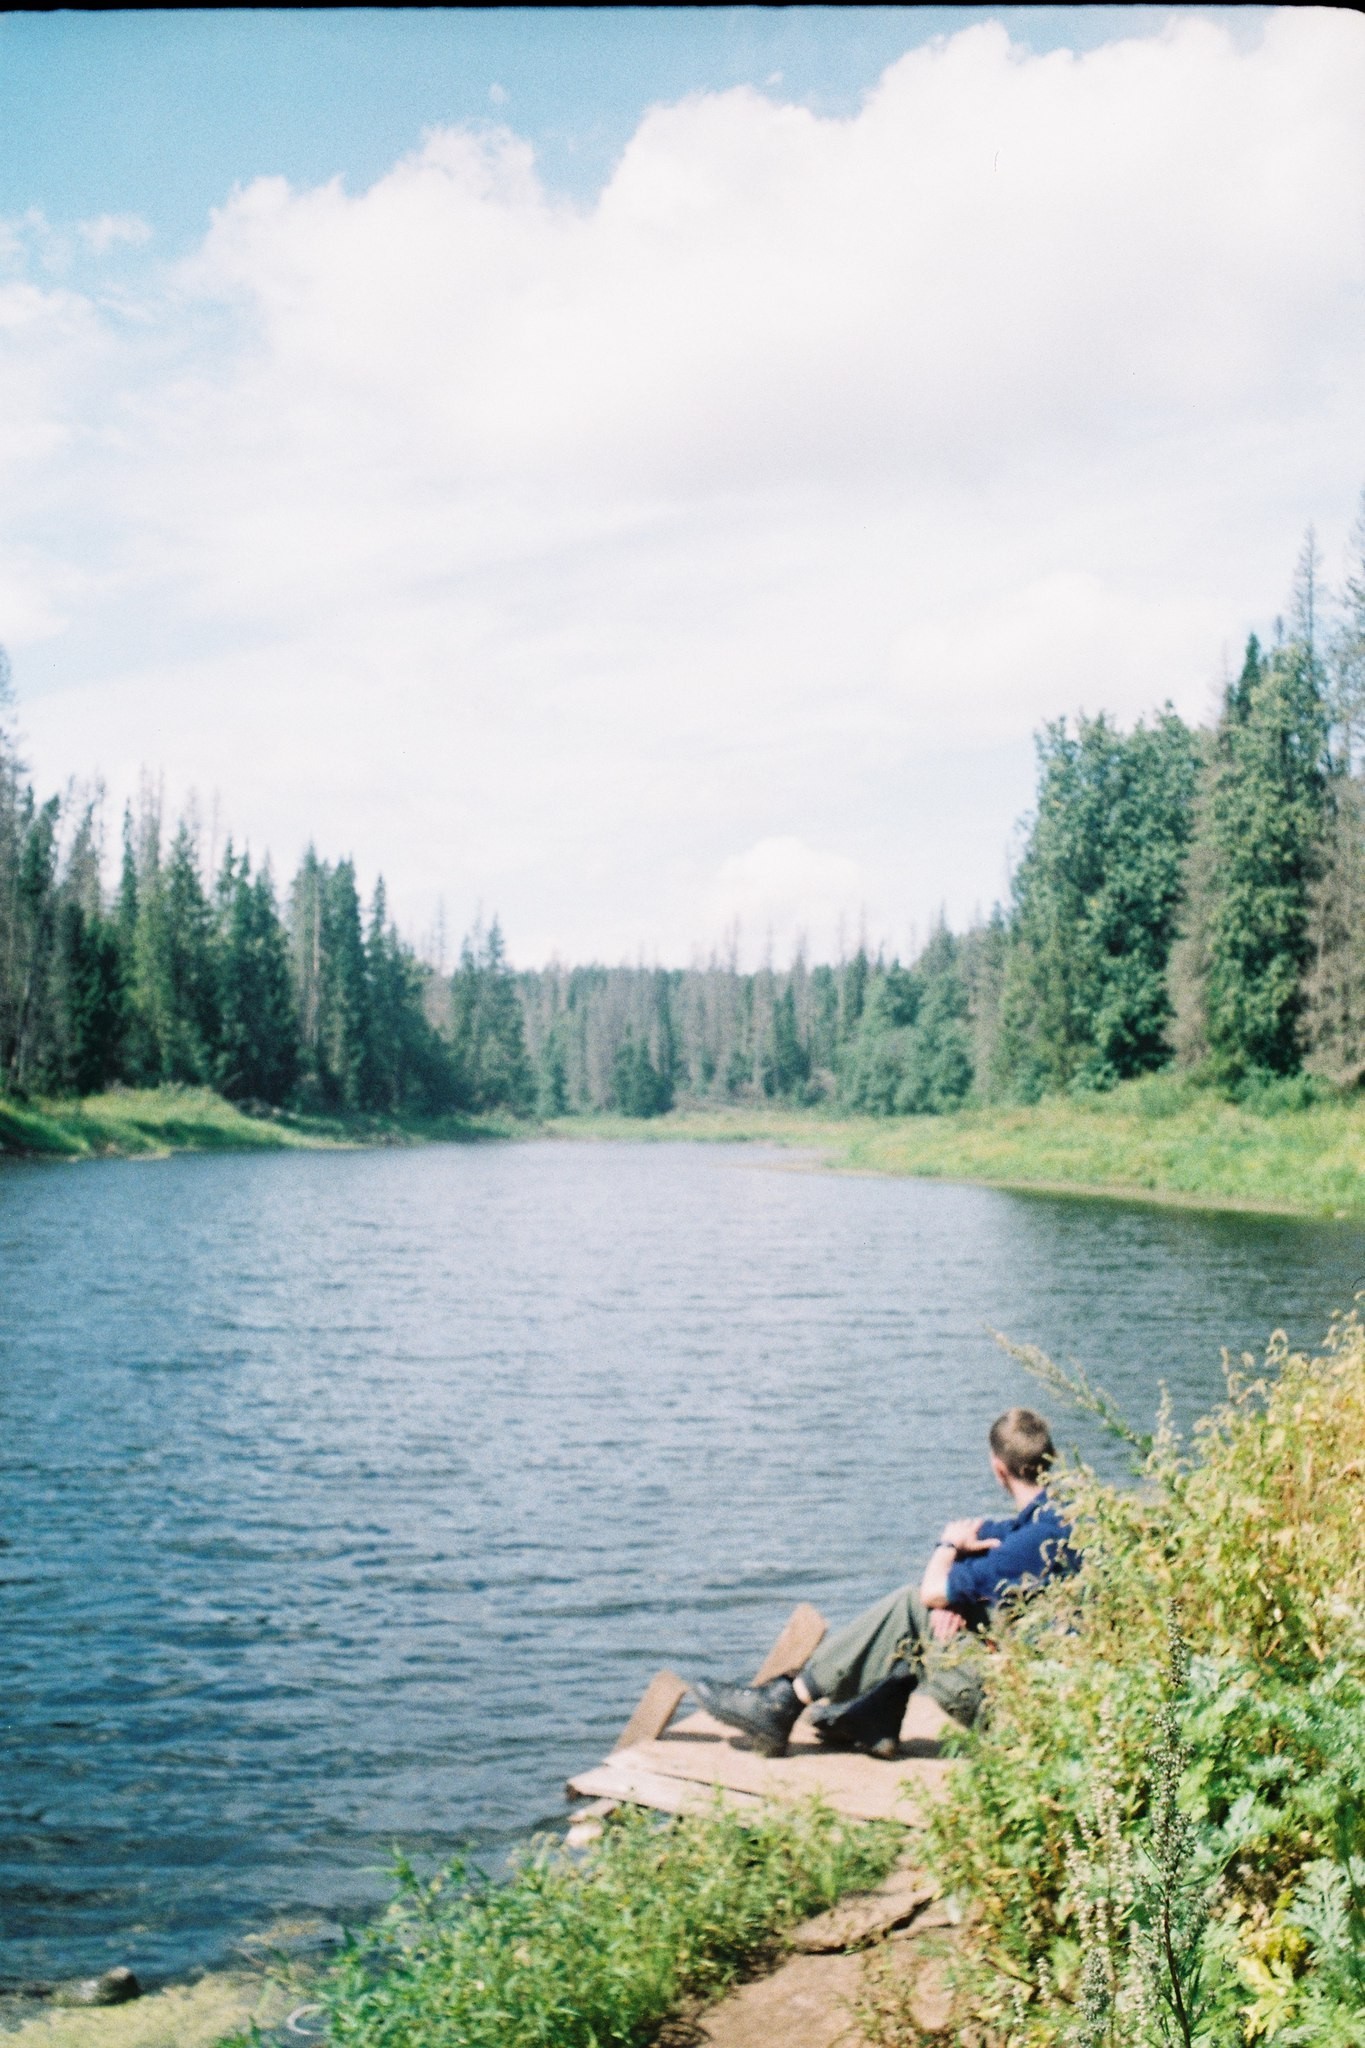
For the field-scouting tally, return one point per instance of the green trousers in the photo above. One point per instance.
(895, 1637)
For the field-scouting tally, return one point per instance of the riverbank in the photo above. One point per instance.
(151, 1122)
(223, 2006)
(1156, 1140)
(1153, 1140)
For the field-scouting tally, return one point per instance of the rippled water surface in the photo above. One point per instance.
(350, 1499)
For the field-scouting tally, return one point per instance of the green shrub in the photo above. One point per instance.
(1282, 1094)
(582, 1952)
(1161, 1828)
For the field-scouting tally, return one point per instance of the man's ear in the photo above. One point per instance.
(1001, 1471)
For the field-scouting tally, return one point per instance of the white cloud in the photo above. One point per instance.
(112, 231)
(554, 556)
(781, 894)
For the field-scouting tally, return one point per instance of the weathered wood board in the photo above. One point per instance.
(623, 1781)
(704, 1755)
(805, 1631)
(658, 1705)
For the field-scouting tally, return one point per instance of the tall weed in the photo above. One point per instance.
(1161, 1826)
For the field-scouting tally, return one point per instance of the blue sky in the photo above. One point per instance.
(652, 472)
(161, 113)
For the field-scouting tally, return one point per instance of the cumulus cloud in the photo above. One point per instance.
(113, 230)
(603, 562)
(781, 895)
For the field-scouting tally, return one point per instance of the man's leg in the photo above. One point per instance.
(888, 1639)
(884, 1642)
(895, 1638)
(892, 1641)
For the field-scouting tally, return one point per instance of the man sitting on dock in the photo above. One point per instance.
(859, 1680)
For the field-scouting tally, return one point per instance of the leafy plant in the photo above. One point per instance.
(1161, 1829)
(582, 1952)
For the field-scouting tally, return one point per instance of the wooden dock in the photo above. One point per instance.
(682, 1766)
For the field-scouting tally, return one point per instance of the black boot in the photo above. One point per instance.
(872, 1722)
(765, 1713)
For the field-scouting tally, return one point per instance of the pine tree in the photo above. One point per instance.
(1096, 896)
(126, 911)
(173, 1025)
(824, 1019)
(982, 960)
(344, 1022)
(911, 1055)
(667, 1061)
(188, 981)
(638, 1087)
(389, 996)
(489, 1028)
(258, 1042)
(305, 959)
(412, 1067)
(1265, 822)
(91, 1006)
(786, 1065)
(27, 1053)
(853, 979)
(553, 1085)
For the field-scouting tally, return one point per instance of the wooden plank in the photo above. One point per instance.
(800, 1639)
(658, 1705)
(863, 1787)
(625, 1782)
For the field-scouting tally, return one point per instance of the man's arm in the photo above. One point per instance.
(959, 1539)
(1026, 1555)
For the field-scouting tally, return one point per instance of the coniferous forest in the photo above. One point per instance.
(1183, 896)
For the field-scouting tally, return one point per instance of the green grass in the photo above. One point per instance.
(132, 1122)
(597, 1950)
(1158, 1139)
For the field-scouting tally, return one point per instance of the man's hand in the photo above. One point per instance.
(959, 1539)
(945, 1622)
(964, 1538)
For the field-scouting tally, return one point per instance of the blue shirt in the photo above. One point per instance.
(1031, 1546)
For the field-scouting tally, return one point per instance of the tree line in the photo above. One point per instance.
(177, 976)
(1184, 897)
(1189, 898)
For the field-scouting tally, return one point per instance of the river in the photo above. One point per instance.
(349, 1500)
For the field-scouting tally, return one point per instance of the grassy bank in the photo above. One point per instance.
(133, 1122)
(601, 1948)
(1157, 1139)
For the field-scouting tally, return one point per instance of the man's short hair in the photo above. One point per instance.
(1023, 1443)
